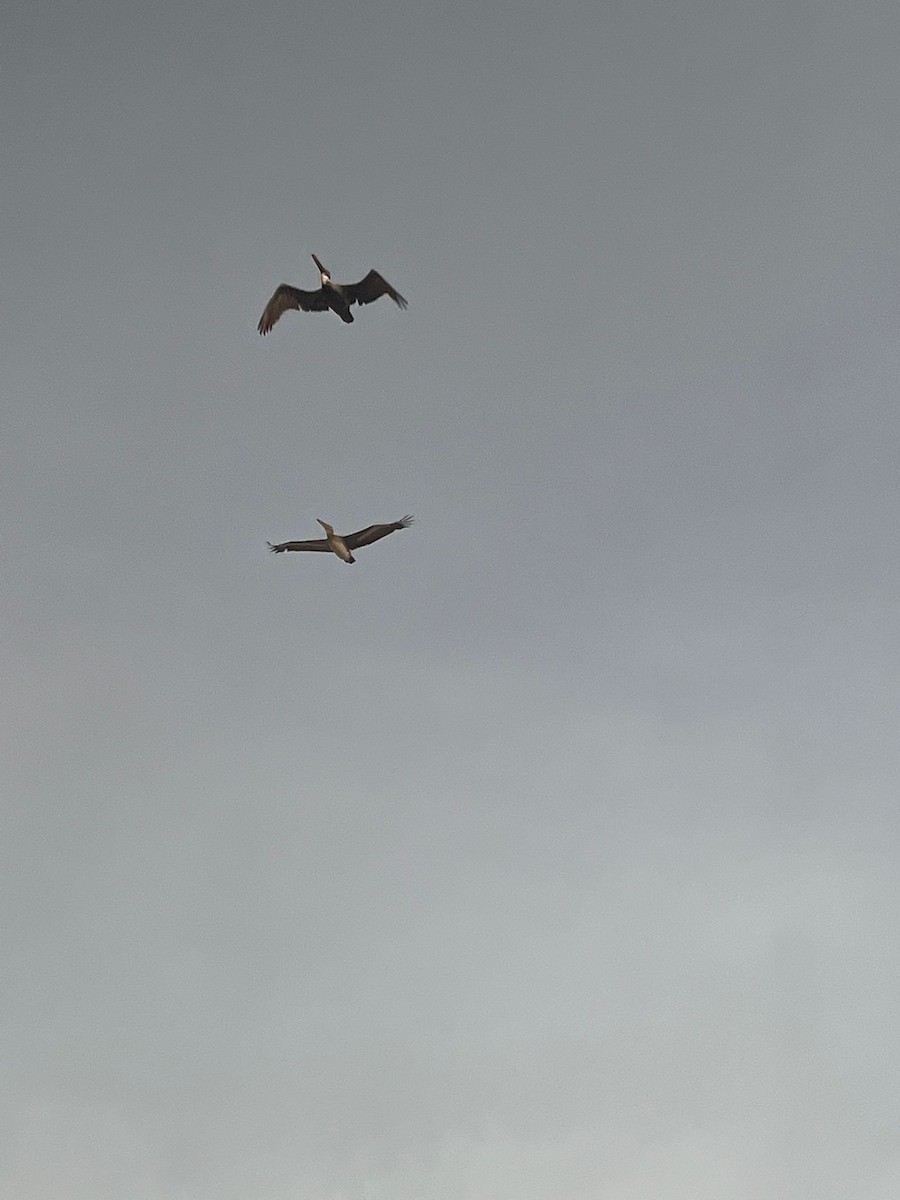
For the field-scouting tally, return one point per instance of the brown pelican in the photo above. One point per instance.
(336, 296)
(343, 546)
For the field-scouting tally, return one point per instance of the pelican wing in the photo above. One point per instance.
(285, 297)
(319, 544)
(372, 533)
(370, 288)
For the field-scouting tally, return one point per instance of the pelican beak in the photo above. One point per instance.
(324, 525)
(319, 265)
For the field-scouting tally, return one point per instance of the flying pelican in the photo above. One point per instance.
(344, 546)
(336, 296)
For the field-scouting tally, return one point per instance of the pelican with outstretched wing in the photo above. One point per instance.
(336, 296)
(343, 546)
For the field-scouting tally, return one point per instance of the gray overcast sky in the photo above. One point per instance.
(550, 852)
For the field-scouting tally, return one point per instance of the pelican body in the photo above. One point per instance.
(336, 543)
(335, 296)
(343, 546)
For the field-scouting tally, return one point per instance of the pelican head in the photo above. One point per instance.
(326, 275)
(328, 528)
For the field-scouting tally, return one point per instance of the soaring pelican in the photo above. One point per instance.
(336, 296)
(343, 546)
